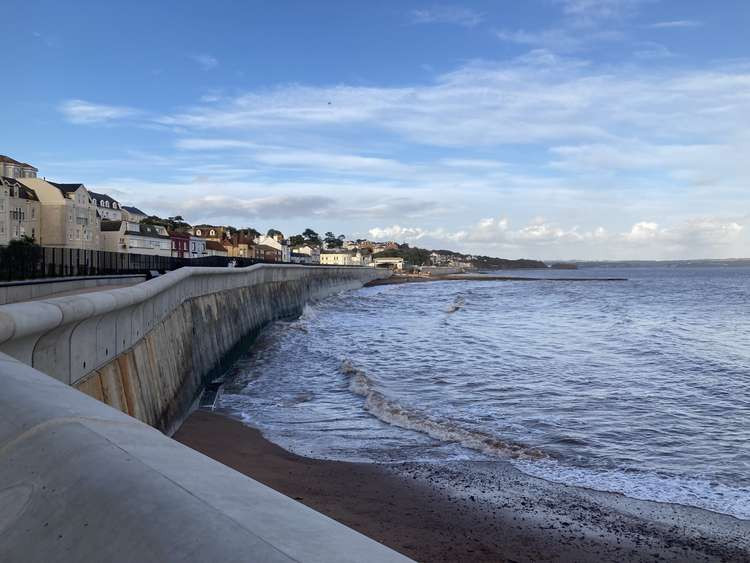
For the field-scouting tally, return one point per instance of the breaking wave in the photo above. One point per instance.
(391, 412)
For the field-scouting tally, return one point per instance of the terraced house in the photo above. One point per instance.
(19, 211)
(68, 217)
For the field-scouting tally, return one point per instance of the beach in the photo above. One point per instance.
(473, 511)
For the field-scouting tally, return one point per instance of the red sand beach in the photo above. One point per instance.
(419, 510)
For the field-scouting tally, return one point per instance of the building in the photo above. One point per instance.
(341, 257)
(19, 211)
(267, 253)
(394, 263)
(108, 208)
(277, 241)
(198, 247)
(68, 218)
(180, 243)
(210, 232)
(240, 245)
(214, 248)
(132, 214)
(298, 258)
(136, 238)
(312, 251)
(10, 168)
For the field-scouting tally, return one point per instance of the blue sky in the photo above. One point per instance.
(545, 128)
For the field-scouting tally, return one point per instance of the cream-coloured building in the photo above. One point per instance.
(135, 238)
(11, 168)
(341, 257)
(68, 217)
(132, 214)
(19, 211)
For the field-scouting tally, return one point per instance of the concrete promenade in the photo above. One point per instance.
(82, 481)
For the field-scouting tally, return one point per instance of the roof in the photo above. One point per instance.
(66, 188)
(133, 210)
(24, 192)
(266, 248)
(97, 196)
(151, 231)
(214, 245)
(10, 160)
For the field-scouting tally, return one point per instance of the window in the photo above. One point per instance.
(212, 232)
(198, 232)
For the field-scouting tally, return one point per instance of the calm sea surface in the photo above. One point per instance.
(640, 387)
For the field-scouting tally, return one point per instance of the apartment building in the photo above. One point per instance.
(68, 217)
(19, 211)
(10, 168)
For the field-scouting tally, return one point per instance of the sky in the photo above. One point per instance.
(548, 129)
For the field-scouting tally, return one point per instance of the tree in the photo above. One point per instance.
(297, 240)
(311, 237)
(274, 233)
(174, 224)
(333, 241)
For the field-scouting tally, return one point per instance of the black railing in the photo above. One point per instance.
(34, 262)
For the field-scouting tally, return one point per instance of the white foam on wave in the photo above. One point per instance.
(639, 485)
(643, 485)
(395, 414)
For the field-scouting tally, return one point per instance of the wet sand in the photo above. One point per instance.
(397, 279)
(473, 511)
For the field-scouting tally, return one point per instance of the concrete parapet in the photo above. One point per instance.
(81, 481)
(15, 292)
(145, 349)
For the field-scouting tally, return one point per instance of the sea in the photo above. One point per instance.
(640, 386)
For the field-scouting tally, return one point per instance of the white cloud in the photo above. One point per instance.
(675, 24)
(457, 15)
(193, 144)
(83, 112)
(591, 12)
(205, 61)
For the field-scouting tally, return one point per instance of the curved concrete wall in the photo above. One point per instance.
(14, 292)
(146, 349)
(81, 481)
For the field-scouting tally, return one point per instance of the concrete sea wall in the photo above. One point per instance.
(14, 292)
(84, 481)
(147, 349)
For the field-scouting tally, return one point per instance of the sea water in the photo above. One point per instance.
(639, 386)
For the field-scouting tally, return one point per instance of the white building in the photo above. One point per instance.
(312, 251)
(68, 218)
(20, 211)
(136, 238)
(132, 214)
(278, 243)
(108, 208)
(341, 257)
(197, 247)
(11, 168)
(393, 263)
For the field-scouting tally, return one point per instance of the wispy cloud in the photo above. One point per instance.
(592, 12)
(675, 24)
(83, 112)
(456, 15)
(205, 61)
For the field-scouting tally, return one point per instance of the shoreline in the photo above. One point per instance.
(473, 511)
(398, 279)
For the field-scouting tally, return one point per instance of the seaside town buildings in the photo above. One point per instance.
(10, 168)
(69, 216)
(68, 219)
(19, 211)
(136, 238)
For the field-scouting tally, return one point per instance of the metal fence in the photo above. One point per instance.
(33, 262)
